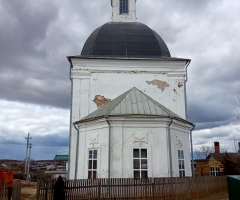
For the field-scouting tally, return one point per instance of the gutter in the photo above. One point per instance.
(109, 145)
(170, 146)
(192, 163)
(77, 147)
(185, 89)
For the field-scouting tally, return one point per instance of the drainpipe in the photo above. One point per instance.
(109, 145)
(192, 163)
(70, 128)
(185, 89)
(170, 146)
(77, 147)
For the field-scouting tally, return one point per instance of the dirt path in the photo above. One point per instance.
(28, 192)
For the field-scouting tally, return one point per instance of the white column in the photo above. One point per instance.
(80, 108)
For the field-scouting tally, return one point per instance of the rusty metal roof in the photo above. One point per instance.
(132, 102)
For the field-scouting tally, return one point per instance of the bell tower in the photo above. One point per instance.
(123, 10)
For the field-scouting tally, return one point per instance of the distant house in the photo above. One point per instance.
(216, 163)
(62, 158)
(59, 170)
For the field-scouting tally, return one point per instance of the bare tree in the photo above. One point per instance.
(234, 145)
(237, 114)
(203, 152)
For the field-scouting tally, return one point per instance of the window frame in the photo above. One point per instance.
(215, 171)
(123, 6)
(181, 163)
(93, 159)
(140, 158)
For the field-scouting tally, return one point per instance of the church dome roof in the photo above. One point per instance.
(119, 39)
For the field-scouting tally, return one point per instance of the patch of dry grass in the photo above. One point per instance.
(28, 192)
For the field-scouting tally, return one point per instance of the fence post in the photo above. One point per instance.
(46, 192)
(99, 190)
(153, 189)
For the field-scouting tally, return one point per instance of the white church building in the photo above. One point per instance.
(128, 111)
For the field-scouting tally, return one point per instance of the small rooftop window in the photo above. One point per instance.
(123, 6)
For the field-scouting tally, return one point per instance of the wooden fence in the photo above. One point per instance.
(151, 188)
(10, 190)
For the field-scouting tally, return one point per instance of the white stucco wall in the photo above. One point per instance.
(161, 80)
(128, 133)
(124, 17)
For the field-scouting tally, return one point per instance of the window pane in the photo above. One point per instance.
(144, 164)
(89, 174)
(94, 174)
(90, 164)
(123, 6)
(183, 164)
(126, 6)
(94, 164)
(180, 173)
(95, 154)
(136, 164)
(143, 153)
(144, 174)
(182, 156)
(136, 153)
(179, 154)
(184, 173)
(179, 164)
(90, 153)
(136, 174)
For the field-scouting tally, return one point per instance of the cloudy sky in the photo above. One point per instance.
(36, 36)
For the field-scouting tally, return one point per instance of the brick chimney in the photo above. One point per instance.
(216, 147)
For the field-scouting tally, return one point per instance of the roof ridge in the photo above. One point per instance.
(117, 100)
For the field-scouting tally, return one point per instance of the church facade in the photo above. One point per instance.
(144, 133)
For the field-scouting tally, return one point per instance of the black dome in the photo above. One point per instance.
(118, 39)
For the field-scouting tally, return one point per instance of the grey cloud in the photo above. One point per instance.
(36, 37)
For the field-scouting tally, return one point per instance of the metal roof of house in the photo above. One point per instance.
(132, 102)
(221, 156)
(61, 158)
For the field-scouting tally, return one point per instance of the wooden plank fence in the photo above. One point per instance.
(142, 189)
(10, 190)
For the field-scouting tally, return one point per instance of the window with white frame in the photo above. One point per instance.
(140, 163)
(123, 6)
(92, 164)
(214, 171)
(181, 165)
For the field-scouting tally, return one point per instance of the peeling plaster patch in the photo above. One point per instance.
(180, 84)
(101, 100)
(161, 84)
(174, 90)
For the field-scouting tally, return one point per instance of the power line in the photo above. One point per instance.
(48, 152)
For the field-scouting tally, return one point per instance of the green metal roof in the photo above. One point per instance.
(61, 158)
(132, 102)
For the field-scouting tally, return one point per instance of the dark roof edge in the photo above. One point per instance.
(149, 116)
(131, 58)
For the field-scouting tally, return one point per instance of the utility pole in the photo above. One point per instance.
(26, 159)
(30, 146)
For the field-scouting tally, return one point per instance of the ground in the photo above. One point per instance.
(29, 193)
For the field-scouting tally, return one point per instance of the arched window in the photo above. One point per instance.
(123, 6)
